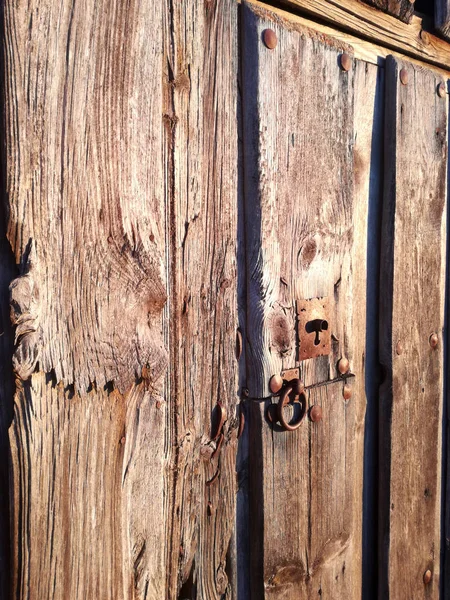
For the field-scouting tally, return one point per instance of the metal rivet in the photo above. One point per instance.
(404, 76)
(315, 414)
(275, 384)
(343, 366)
(345, 61)
(399, 348)
(427, 577)
(270, 38)
(434, 340)
(442, 92)
(425, 37)
(347, 392)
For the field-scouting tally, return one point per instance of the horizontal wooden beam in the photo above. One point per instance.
(363, 21)
(362, 49)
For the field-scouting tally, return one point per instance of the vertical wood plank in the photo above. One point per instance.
(121, 144)
(412, 309)
(86, 209)
(306, 237)
(201, 127)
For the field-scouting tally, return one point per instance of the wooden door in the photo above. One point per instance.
(211, 208)
(314, 132)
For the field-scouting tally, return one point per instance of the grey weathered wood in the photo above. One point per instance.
(401, 9)
(442, 16)
(306, 237)
(122, 200)
(412, 308)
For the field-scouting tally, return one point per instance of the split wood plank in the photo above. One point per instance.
(442, 16)
(380, 28)
(401, 9)
(306, 237)
(85, 203)
(201, 135)
(411, 310)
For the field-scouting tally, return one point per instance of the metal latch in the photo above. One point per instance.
(292, 391)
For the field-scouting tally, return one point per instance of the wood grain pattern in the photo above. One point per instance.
(201, 125)
(85, 202)
(122, 197)
(380, 28)
(402, 9)
(306, 237)
(411, 309)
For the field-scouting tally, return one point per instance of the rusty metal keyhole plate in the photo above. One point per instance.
(314, 327)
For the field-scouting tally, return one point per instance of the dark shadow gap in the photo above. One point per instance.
(444, 583)
(8, 271)
(372, 369)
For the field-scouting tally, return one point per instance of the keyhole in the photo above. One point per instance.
(316, 326)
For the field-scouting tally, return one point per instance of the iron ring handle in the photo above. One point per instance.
(284, 399)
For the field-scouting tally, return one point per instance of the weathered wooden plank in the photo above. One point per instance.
(306, 237)
(200, 114)
(85, 200)
(121, 193)
(378, 27)
(401, 9)
(442, 16)
(412, 310)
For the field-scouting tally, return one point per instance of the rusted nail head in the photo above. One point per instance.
(347, 392)
(345, 61)
(434, 340)
(425, 37)
(270, 38)
(343, 366)
(315, 414)
(399, 348)
(275, 384)
(404, 76)
(427, 577)
(442, 92)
